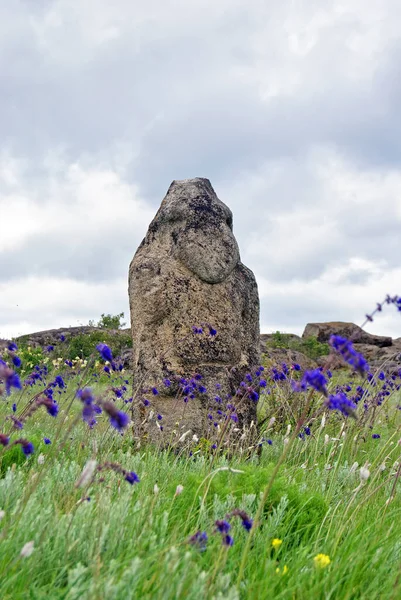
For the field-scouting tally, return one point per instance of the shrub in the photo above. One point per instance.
(309, 346)
(109, 321)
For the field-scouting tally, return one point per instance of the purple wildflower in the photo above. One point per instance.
(17, 361)
(222, 526)
(227, 540)
(26, 447)
(132, 478)
(104, 352)
(199, 540)
(375, 436)
(342, 403)
(118, 418)
(349, 354)
(4, 439)
(47, 441)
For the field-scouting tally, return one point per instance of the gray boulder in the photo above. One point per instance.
(323, 331)
(187, 273)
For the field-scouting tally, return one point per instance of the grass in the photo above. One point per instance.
(115, 540)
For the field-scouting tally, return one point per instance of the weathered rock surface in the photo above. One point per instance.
(187, 272)
(323, 331)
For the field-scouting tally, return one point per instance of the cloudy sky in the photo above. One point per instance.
(291, 109)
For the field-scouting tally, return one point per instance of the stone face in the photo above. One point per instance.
(323, 331)
(187, 272)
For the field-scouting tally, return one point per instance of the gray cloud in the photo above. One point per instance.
(292, 115)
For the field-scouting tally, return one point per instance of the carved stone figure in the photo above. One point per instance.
(187, 274)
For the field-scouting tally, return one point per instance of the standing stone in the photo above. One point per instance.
(187, 273)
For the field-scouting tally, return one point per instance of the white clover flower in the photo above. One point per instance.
(364, 473)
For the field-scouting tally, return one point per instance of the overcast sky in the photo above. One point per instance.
(290, 108)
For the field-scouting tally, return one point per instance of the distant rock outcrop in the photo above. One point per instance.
(323, 331)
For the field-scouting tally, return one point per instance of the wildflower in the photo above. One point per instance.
(62, 338)
(159, 417)
(104, 352)
(316, 379)
(156, 489)
(27, 550)
(85, 395)
(167, 382)
(4, 440)
(50, 348)
(26, 447)
(276, 543)
(197, 330)
(227, 540)
(87, 474)
(349, 354)
(254, 395)
(375, 436)
(212, 331)
(12, 347)
(179, 489)
(283, 572)
(307, 430)
(51, 406)
(364, 473)
(17, 361)
(222, 526)
(199, 540)
(247, 522)
(47, 441)
(14, 408)
(41, 459)
(59, 381)
(118, 418)
(10, 378)
(342, 403)
(154, 391)
(202, 389)
(322, 560)
(296, 367)
(132, 478)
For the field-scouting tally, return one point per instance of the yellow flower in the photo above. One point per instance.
(276, 543)
(322, 560)
(283, 572)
